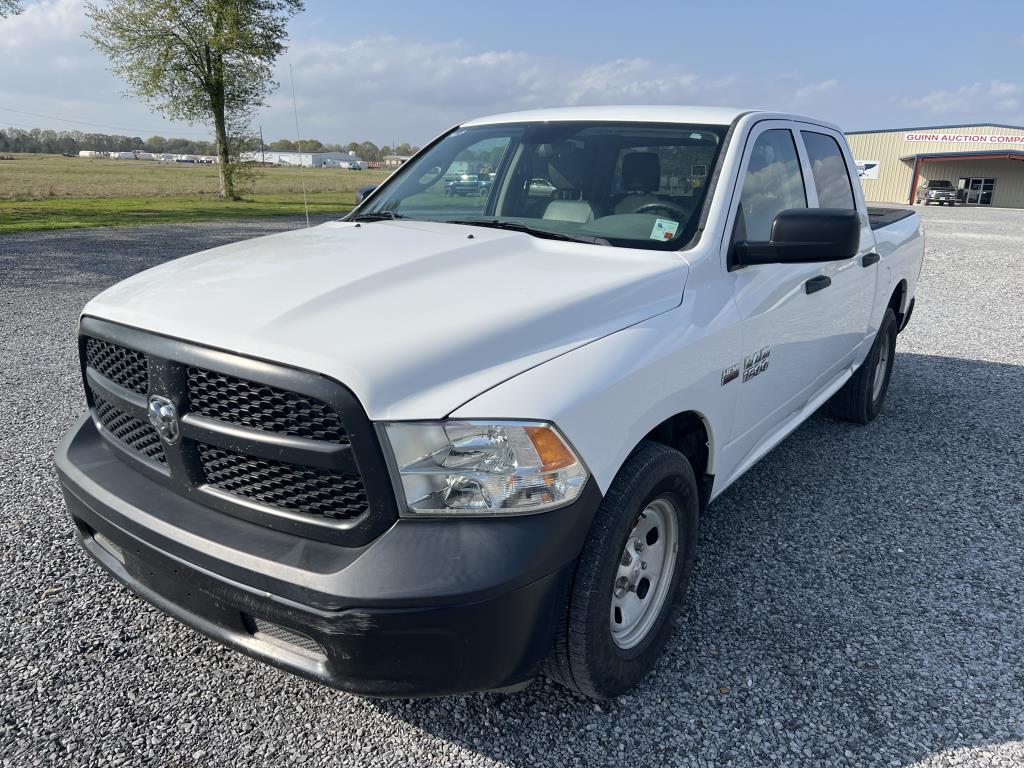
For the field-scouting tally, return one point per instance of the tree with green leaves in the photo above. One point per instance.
(9, 8)
(200, 61)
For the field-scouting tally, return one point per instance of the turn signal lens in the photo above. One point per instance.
(483, 468)
(553, 453)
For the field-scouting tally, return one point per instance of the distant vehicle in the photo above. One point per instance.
(467, 185)
(937, 191)
(541, 187)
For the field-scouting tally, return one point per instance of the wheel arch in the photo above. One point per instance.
(689, 433)
(898, 298)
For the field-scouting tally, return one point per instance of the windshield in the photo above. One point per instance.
(941, 184)
(636, 185)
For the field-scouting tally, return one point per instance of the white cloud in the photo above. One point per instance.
(44, 23)
(380, 84)
(384, 88)
(979, 98)
(815, 89)
(628, 80)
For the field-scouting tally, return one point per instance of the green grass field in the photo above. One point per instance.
(40, 192)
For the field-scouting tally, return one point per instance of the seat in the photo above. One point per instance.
(578, 211)
(641, 178)
(564, 166)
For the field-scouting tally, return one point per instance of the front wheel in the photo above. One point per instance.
(634, 569)
(861, 398)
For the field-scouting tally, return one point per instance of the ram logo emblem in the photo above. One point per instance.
(164, 418)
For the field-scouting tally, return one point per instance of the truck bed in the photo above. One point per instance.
(883, 217)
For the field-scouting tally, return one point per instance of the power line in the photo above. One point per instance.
(99, 125)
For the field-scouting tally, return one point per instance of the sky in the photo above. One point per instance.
(407, 71)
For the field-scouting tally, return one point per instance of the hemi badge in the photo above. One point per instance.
(730, 373)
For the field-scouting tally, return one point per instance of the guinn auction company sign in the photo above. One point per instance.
(968, 138)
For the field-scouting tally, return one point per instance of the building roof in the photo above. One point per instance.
(992, 154)
(940, 128)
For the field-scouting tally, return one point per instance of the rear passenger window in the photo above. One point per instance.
(773, 184)
(828, 167)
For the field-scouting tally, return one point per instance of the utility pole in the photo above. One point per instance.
(263, 157)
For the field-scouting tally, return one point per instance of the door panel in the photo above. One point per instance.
(780, 355)
(845, 316)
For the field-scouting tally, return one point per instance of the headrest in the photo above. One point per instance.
(578, 211)
(641, 172)
(566, 172)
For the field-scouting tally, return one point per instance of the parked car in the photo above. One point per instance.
(541, 187)
(937, 191)
(422, 451)
(467, 185)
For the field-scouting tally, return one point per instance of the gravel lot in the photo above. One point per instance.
(859, 597)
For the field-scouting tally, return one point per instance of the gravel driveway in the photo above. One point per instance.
(858, 600)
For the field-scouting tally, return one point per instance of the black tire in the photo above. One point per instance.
(586, 658)
(859, 400)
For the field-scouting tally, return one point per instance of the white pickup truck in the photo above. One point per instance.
(450, 442)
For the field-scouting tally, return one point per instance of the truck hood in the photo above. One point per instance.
(416, 318)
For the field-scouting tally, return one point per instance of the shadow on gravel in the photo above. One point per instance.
(857, 601)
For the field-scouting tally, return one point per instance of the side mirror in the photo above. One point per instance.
(364, 192)
(804, 235)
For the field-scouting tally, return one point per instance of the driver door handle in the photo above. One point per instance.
(869, 259)
(818, 283)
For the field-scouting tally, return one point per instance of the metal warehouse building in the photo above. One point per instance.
(984, 162)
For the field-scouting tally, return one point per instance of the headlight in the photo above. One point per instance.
(475, 468)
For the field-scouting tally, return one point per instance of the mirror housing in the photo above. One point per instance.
(364, 192)
(803, 236)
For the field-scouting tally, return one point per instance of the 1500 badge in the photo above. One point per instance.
(756, 364)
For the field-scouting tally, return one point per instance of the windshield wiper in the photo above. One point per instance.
(517, 226)
(378, 216)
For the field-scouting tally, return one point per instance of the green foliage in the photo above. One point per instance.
(50, 142)
(46, 141)
(203, 61)
(9, 8)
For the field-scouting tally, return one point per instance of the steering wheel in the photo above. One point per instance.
(663, 205)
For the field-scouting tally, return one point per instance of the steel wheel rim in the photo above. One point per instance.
(643, 579)
(880, 368)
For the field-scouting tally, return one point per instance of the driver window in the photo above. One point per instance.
(773, 183)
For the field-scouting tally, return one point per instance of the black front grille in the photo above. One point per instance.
(125, 367)
(260, 406)
(235, 449)
(286, 486)
(130, 431)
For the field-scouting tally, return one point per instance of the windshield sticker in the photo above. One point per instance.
(664, 229)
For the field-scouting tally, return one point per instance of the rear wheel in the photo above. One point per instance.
(861, 398)
(634, 568)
